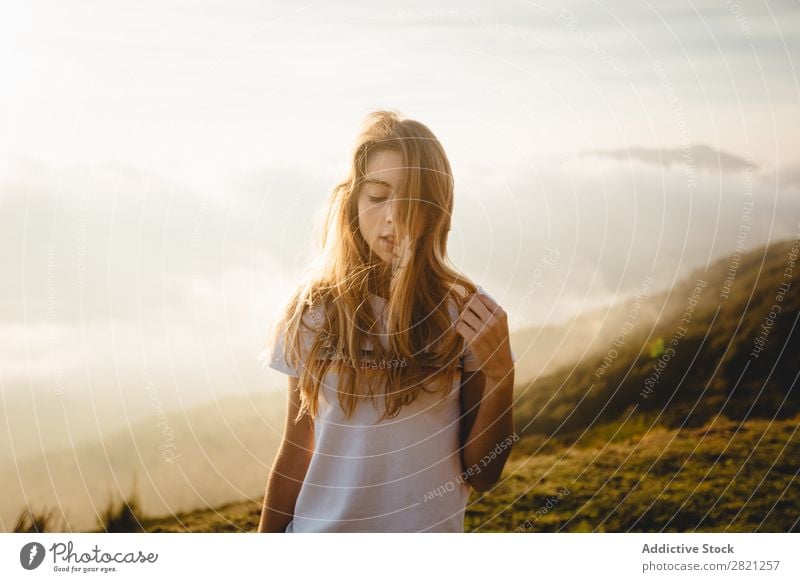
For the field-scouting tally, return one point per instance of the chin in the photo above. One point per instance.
(382, 255)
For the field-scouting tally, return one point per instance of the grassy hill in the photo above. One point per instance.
(709, 369)
(210, 454)
(682, 419)
(724, 476)
(699, 452)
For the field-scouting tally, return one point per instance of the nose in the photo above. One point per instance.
(390, 211)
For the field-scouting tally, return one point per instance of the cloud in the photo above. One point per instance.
(115, 271)
(699, 155)
(790, 175)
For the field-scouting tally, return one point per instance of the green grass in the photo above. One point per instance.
(33, 521)
(240, 516)
(711, 370)
(598, 474)
(124, 517)
(655, 481)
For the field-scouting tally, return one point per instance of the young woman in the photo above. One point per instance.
(400, 368)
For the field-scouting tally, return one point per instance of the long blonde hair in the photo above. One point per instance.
(423, 348)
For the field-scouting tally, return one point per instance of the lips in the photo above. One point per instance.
(389, 238)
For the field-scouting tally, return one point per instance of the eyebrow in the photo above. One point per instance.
(376, 181)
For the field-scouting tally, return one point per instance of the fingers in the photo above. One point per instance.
(480, 314)
(489, 303)
(493, 307)
(472, 320)
(485, 308)
(465, 331)
(476, 306)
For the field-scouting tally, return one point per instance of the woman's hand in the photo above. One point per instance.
(484, 326)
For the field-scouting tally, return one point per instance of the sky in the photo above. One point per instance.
(162, 165)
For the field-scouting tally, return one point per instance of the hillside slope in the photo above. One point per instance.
(687, 368)
(725, 476)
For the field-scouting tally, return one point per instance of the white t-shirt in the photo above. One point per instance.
(402, 474)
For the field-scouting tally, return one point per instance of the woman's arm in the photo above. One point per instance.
(290, 467)
(487, 427)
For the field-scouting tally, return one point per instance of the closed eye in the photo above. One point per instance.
(377, 198)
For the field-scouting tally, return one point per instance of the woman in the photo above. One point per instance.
(400, 368)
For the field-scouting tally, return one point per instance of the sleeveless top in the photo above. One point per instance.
(401, 474)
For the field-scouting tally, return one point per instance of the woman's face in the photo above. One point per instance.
(375, 200)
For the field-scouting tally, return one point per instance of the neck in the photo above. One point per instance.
(382, 280)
